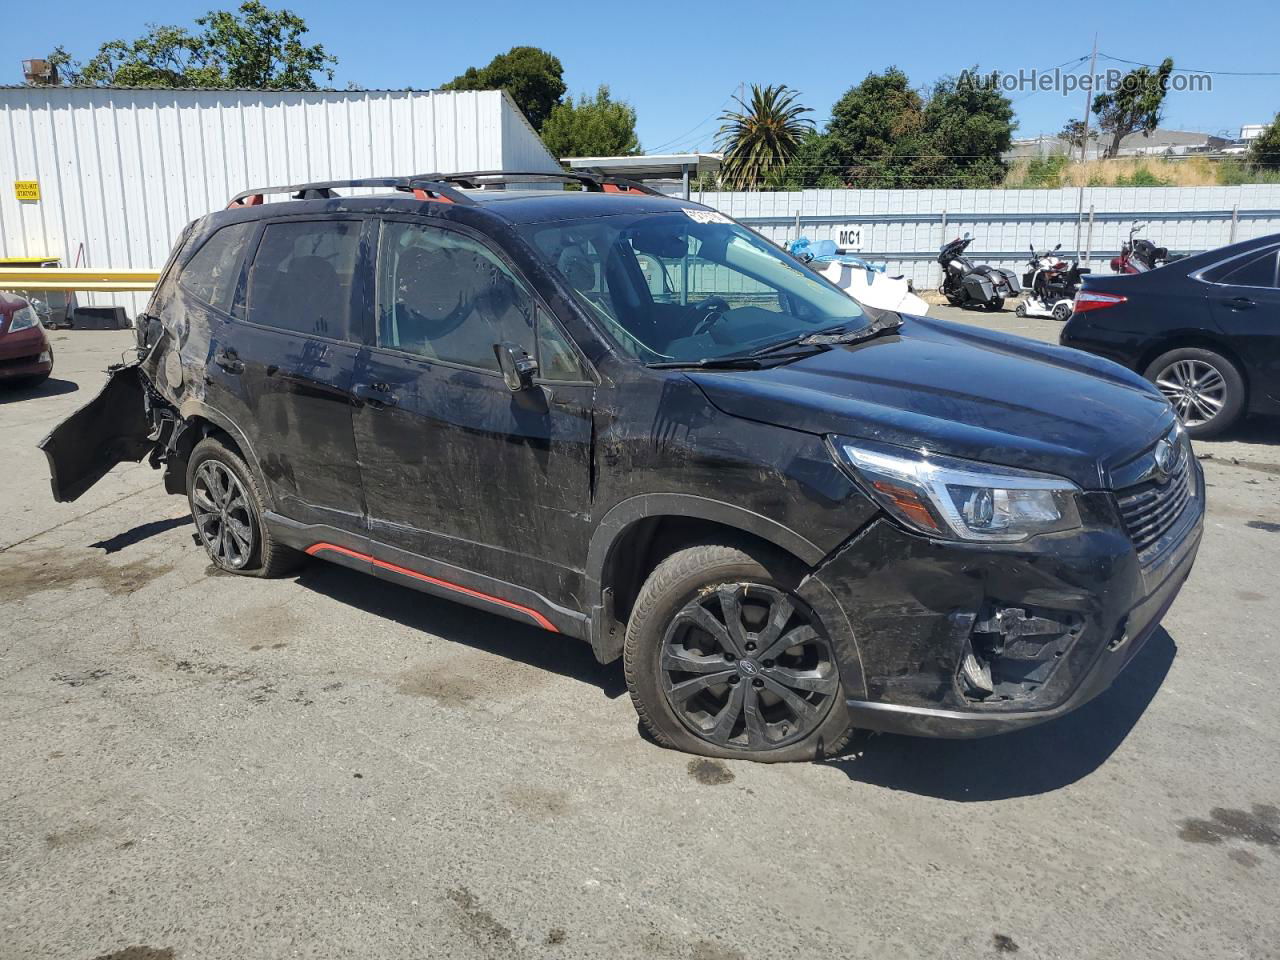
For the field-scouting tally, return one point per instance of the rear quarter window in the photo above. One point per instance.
(212, 273)
(1250, 270)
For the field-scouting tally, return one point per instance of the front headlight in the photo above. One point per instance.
(961, 499)
(23, 319)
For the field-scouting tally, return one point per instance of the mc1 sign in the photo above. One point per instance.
(849, 238)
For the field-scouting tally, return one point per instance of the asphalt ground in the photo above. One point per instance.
(203, 766)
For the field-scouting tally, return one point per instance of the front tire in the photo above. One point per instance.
(228, 509)
(722, 659)
(1205, 388)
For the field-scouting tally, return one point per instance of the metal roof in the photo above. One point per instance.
(670, 166)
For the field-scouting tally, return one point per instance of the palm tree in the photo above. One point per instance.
(762, 137)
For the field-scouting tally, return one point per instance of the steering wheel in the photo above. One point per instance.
(714, 308)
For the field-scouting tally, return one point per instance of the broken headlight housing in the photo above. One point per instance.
(961, 499)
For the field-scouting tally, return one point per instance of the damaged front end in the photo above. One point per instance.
(958, 641)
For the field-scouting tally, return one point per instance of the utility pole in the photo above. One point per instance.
(1088, 100)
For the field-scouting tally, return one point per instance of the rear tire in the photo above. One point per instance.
(695, 680)
(1205, 388)
(228, 509)
(996, 305)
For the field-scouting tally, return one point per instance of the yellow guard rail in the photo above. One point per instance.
(77, 278)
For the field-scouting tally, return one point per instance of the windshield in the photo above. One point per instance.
(689, 285)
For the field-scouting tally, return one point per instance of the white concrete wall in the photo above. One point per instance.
(906, 227)
(121, 171)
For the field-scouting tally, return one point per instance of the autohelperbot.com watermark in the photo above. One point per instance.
(1058, 81)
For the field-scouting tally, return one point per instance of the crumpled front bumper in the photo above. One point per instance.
(900, 607)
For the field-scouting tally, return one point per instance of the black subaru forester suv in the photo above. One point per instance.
(624, 417)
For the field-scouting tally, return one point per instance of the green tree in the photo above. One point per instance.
(1136, 103)
(816, 164)
(762, 137)
(875, 131)
(1265, 151)
(1073, 133)
(592, 127)
(968, 124)
(253, 47)
(262, 49)
(533, 77)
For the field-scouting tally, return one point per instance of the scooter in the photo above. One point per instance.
(1140, 255)
(1051, 286)
(965, 283)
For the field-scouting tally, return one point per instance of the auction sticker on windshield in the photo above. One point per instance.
(706, 216)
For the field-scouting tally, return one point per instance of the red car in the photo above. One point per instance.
(25, 353)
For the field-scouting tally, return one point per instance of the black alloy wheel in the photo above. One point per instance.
(223, 516)
(743, 666)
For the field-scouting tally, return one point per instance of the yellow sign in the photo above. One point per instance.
(27, 189)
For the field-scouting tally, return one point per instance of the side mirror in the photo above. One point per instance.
(966, 234)
(518, 368)
(1058, 247)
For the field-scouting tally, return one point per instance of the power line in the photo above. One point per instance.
(1220, 73)
(694, 129)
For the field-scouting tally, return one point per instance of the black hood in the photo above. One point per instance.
(961, 391)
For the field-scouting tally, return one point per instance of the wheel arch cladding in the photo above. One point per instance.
(636, 534)
(205, 421)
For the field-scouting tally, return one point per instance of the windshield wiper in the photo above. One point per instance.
(800, 340)
(882, 324)
(734, 362)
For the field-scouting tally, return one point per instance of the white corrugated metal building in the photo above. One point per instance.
(120, 171)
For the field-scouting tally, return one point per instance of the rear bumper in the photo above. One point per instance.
(907, 605)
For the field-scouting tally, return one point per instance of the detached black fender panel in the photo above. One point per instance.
(110, 429)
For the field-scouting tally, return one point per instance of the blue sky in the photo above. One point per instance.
(679, 67)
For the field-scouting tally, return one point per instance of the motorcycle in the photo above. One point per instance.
(965, 283)
(1051, 285)
(1141, 255)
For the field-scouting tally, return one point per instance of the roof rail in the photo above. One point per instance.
(444, 187)
(423, 187)
(593, 182)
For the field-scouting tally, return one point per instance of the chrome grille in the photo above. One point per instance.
(1151, 508)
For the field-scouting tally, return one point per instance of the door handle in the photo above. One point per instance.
(1240, 303)
(375, 394)
(229, 361)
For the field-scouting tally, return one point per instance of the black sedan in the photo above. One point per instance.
(1204, 329)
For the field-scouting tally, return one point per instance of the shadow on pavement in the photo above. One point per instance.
(456, 623)
(1256, 430)
(141, 532)
(1028, 762)
(15, 392)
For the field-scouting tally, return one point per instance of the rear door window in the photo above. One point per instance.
(303, 275)
(212, 273)
(444, 296)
